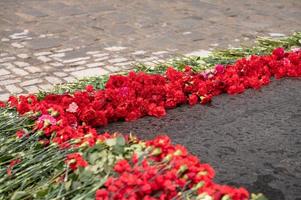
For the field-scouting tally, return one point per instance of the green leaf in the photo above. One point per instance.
(41, 193)
(85, 175)
(258, 197)
(93, 157)
(111, 142)
(19, 195)
(120, 141)
(68, 185)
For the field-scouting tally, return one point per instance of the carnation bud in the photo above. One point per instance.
(46, 123)
(133, 138)
(204, 196)
(59, 122)
(54, 144)
(199, 185)
(37, 114)
(99, 141)
(182, 169)
(54, 113)
(226, 197)
(50, 110)
(202, 173)
(71, 161)
(84, 145)
(177, 152)
(185, 177)
(156, 152)
(167, 158)
(40, 133)
(88, 135)
(75, 141)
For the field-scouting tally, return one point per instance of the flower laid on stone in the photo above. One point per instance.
(79, 163)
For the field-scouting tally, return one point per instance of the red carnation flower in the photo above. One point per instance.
(76, 160)
(89, 88)
(2, 104)
(193, 99)
(279, 53)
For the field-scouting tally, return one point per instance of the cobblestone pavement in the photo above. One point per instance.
(53, 41)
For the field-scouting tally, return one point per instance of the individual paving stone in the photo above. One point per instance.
(70, 79)
(61, 9)
(23, 55)
(90, 72)
(186, 33)
(19, 72)
(63, 50)
(214, 45)
(13, 89)
(44, 59)
(31, 82)
(277, 34)
(101, 59)
(16, 37)
(9, 76)
(21, 64)
(24, 32)
(201, 53)
(141, 52)
(32, 12)
(5, 40)
(9, 81)
(113, 68)
(60, 74)
(53, 79)
(124, 63)
(46, 35)
(32, 69)
(4, 96)
(32, 89)
(44, 43)
(44, 53)
(7, 65)
(17, 45)
(98, 64)
(4, 72)
(76, 59)
(71, 69)
(160, 52)
(56, 64)
(117, 60)
(36, 75)
(3, 54)
(92, 52)
(6, 59)
(45, 86)
(148, 59)
(47, 68)
(126, 67)
(115, 48)
(100, 55)
(77, 53)
(78, 63)
(57, 55)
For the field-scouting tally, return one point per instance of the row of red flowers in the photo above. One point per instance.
(61, 118)
(138, 94)
(168, 172)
